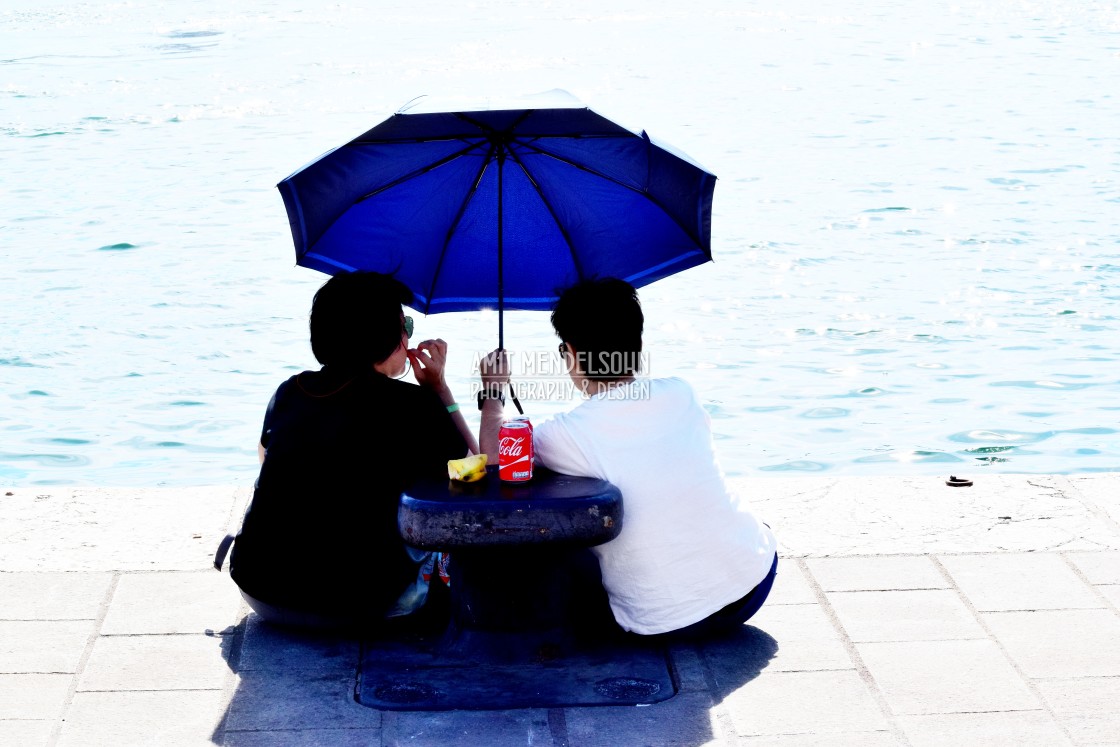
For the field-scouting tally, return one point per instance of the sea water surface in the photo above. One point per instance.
(916, 229)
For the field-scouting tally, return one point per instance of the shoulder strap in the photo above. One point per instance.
(223, 549)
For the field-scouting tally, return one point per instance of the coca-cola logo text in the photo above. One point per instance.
(510, 446)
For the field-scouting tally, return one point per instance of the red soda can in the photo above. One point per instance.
(521, 419)
(515, 452)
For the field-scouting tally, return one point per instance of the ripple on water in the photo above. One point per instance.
(171, 427)
(982, 436)
(217, 426)
(183, 48)
(989, 450)
(19, 363)
(908, 457)
(144, 444)
(31, 393)
(46, 460)
(826, 412)
(716, 411)
(191, 34)
(9, 474)
(800, 465)
(162, 406)
(247, 466)
(837, 334)
(988, 455)
(121, 247)
(1045, 384)
(867, 391)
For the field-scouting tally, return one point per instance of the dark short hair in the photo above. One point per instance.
(603, 320)
(356, 319)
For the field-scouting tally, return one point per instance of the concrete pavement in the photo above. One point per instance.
(905, 613)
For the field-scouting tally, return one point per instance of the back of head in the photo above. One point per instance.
(603, 320)
(356, 319)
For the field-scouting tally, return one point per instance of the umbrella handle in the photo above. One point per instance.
(513, 396)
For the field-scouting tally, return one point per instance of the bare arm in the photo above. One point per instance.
(494, 370)
(428, 361)
(447, 398)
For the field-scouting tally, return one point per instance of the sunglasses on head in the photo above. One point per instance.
(408, 327)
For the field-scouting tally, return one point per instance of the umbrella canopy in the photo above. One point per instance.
(500, 208)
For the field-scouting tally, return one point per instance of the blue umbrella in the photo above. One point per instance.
(501, 208)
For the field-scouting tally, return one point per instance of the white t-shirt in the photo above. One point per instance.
(687, 547)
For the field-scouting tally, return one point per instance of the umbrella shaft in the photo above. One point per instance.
(501, 289)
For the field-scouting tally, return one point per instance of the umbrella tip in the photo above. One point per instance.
(411, 103)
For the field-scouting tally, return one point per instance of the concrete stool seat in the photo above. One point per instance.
(511, 642)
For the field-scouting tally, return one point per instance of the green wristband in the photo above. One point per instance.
(453, 407)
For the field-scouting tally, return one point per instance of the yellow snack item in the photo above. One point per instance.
(470, 469)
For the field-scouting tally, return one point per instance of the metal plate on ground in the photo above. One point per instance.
(485, 671)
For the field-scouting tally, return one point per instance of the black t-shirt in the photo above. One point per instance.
(321, 532)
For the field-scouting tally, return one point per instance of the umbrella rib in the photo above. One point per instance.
(611, 179)
(466, 136)
(422, 170)
(579, 166)
(551, 212)
(455, 224)
(490, 128)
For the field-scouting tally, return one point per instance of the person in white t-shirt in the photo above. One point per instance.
(691, 559)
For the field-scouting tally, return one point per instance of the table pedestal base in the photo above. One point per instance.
(517, 639)
(487, 670)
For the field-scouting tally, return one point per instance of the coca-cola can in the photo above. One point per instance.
(515, 452)
(521, 419)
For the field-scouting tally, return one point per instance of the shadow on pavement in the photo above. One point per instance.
(736, 658)
(299, 688)
(290, 682)
(706, 673)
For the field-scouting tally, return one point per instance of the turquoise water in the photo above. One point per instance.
(916, 231)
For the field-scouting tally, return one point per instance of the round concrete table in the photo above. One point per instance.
(441, 514)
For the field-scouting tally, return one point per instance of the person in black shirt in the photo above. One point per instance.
(319, 544)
